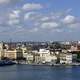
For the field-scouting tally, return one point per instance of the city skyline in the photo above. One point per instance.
(36, 20)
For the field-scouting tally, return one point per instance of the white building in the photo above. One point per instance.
(66, 58)
(28, 57)
(46, 56)
(69, 58)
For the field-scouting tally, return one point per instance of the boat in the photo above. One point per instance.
(6, 62)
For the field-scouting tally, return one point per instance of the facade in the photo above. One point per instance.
(62, 58)
(69, 58)
(11, 54)
(1, 50)
(66, 58)
(19, 53)
(24, 49)
(68, 54)
(46, 57)
(73, 48)
(36, 56)
(29, 58)
(43, 55)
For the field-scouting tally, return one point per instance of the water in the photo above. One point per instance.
(26, 72)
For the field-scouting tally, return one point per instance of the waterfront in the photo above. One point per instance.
(28, 72)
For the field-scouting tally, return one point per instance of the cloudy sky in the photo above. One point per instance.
(37, 20)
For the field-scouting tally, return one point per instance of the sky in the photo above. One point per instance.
(39, 20)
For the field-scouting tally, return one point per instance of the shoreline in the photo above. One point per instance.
(73, 64)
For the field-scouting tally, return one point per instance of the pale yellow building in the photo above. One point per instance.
(1, 50)
(11, 54)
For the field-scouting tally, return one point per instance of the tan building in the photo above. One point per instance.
(11, 54)
(1, 50)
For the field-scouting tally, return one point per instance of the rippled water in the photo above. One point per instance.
(26, 72)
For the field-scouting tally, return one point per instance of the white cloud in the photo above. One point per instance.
(69, 19)
(34, 29)
(34, 22)
(14, 14)
(59, 30)
(71, 22)
(9, 1)
(49, 25)
(45, 18)
(32, 6)
(75, 25)
(4, 1)
(14, 17)
(28, 15)
(13, 22)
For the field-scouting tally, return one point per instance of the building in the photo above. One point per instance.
(36, 56)
(28, 57)
(46, 57)
(74, 48)
(66, 58)
(11, 54)
(1, 50)
(62, 58)
(69, 58)
(19, 54)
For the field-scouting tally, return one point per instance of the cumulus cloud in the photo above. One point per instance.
(14, 14)
(49, 25)
(45, 18)
(75, 25)
(28, 20)
(28, 15)
(34, 30)
(69, 19)
(55, 21)
(71, 22)
(32, 6)
(31, 19)
(4, 1)
(14, 17)
(13, 22)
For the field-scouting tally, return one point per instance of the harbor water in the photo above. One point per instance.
(28, 72)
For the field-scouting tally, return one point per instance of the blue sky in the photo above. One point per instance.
(39, 20)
